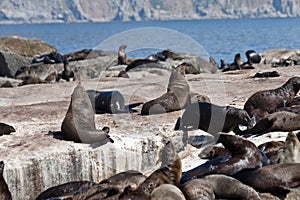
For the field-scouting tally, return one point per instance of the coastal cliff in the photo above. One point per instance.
(56, 11)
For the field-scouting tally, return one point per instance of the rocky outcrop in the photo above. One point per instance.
(18, 11)
(16, 52)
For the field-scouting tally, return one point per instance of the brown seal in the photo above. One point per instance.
(167, 192)
(79, 122)
(276, 179)
(197, 189)
(243, 154)
(170, 174)
(237, 64)
(122, 59)
(113, 186)
(226, 187)
(277, 121)
(176, 98)
(211, 152)
(271, 150)
(269, 101)
(291, 150)
(6, 129)
(32, 78)
(212, 118)
(66, 189)
(4, 191)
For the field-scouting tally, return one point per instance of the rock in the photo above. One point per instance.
(278, 56)
(17, 51)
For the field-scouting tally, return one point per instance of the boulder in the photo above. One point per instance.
(280, 55)
(17, 51)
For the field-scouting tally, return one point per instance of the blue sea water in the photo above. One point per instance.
(221, 39)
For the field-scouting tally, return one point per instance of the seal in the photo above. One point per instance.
(212, 118)
(177, 96)
(226, 187)
(6, 129)
(114, 185)
(79, 122)
(266, 74)
(269, 101)
(237, 64)
(211, 152)
(277, 121)
(167, 192)
(65, 189)
(143, 63)
(243, 154)
(278, 178)
(170, 174)
(291, 149)
(197, 189)
(122, 59)
(4, 190)
(67, 73)
(252, 57)
(271, 150)
(32, 78)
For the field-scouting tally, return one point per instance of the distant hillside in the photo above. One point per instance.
(60, 11)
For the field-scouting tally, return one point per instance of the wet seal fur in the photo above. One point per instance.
(4, 191)
(177, 96)
(269, 101)
(243, 154)
(212, 118)
(79, 122)
(197, 189)
(6, 129)
(277, 121)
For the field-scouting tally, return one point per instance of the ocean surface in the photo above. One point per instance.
(221, 39)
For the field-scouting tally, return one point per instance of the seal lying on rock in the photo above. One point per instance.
(277, 121)
(212, 118)
(176, 98)
(269, 101)
(243, 154)
(67, 73)
(79, 122)
(4, 191)
(276, 179)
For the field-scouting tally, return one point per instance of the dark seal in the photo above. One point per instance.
(79, 122)
(177, 96)
(6, 129)
(269, 101)
(212, 118)
(4, 191)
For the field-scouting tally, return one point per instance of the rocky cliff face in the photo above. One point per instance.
(45, 11)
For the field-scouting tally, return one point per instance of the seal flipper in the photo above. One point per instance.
(178, 124)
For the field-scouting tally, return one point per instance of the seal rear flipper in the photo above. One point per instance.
(177, 124)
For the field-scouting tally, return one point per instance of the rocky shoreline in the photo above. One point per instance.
(36, 160)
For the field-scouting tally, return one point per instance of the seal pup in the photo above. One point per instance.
(170, 174)
(291, 150)
(269, 101)
(243, 154)
(272, 150)
(167, 192)
(79, 122)
(212, 118)
(197, 189)
(66, 189)
(226, 187)
(177, 96)
(277, 121)
(122, 59)
(6, 129)
(4, 191)
(277, 178)
(32, 78)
